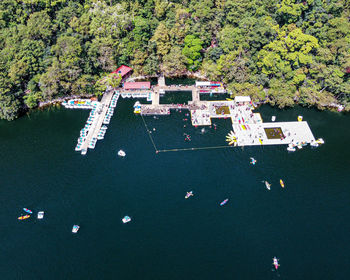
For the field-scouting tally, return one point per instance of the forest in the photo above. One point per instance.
(283, 52)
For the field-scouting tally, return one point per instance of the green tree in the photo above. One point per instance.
(174, 63)
(191, 51)
(161, 37)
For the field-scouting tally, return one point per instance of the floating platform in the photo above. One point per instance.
(274, 133)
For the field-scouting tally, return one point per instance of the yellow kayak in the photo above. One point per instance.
(282, 183)
(23, 217)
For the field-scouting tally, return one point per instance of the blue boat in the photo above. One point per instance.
(28, 211)
(224, 202)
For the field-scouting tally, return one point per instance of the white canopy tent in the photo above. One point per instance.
(242, 99)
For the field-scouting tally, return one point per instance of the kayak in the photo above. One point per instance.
(28, 211)
(282, 183)
(23, 217)
(189, 194)
(253, 161)
(224, 202)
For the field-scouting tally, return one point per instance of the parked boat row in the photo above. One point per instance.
(79, 104)
(115, 99)
(85, 130)
(110, 111)
(314, 143)
(92, 143)
(102, 132)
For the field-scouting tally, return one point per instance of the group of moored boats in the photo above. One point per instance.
(110, 111)
(96, 109)
(314, 143)
(79, 104)
(102, 132)
(40, 214)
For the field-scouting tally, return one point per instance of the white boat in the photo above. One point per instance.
(75, 228)
(268, 186)
(40, 215)
(320, 141)
(77, 148)
(314, 144)
(83, 152)
(273, 118)
(121, 153)
(126, 219)
(290, 149)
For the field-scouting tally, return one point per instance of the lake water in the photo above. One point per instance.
(306, 224)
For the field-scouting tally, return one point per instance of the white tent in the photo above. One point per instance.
(242, 98)
(202, 84)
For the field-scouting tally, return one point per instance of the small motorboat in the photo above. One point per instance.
(275, 262)
(300, 118)
(252, 161)
(23, 217)
(314, 144)
(121, 153)
(126, 219)
(290, 149)
(40, 215)
(268, 185)
(83, 152)
(75, 228)
(282, 183)
(27, 210)
(320, 141)
(188, 194)
(273, 118)
(224, 202)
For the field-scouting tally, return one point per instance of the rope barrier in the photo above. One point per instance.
(179, 149)
(194, 149)
(149, 134)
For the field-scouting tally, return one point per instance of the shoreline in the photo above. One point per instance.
(196, 75)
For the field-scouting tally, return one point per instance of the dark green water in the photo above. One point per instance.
(306, 225)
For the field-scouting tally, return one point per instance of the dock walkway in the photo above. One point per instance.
(96, 125)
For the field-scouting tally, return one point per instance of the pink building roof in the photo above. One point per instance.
(137, 85)
(123, 70)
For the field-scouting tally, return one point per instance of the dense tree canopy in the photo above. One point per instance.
(280, 51)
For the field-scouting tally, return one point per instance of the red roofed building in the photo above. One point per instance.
(124, 71)
(137, 85)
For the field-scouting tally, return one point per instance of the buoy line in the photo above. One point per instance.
(194, 149)
(149, 134)
(179, 149)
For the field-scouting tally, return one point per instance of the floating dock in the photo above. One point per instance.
(248, 128)
(98, 120)
(279, 133)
